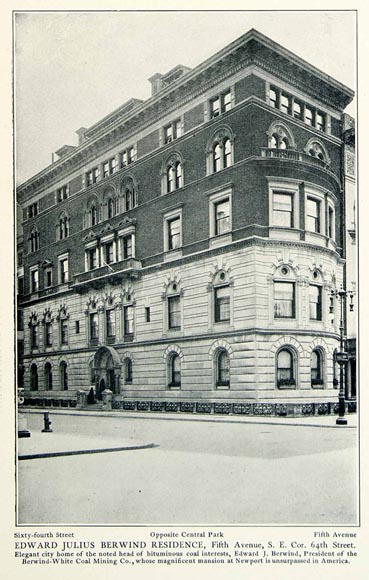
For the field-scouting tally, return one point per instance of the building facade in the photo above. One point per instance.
(183, 254)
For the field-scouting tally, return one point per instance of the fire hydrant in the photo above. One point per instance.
(47, 423)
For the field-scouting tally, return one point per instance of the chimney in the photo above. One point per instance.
(81, 135)
(156, 83)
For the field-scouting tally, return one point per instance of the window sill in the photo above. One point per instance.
(170, 255)
(220, 240)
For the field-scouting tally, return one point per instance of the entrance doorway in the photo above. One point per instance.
(107, 369)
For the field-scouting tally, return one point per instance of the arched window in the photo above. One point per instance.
(217, 155)
(227, 152)
(174, 368)
(34, 240)
(128, 190)
(316, 149)
(128, 375)
(316, 369)
(280, 137)
(48, 377)
(285, 369)
(111, 208)
(222, 368)
(220, 151)
(34, 377)
(63, 376)
(172, 174)
(178, 175)
(63, 226)
(93, 215)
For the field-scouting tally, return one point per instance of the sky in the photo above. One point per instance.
(73, 68)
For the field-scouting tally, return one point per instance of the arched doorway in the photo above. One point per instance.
(107, 369)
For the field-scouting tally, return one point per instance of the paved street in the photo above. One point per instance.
(215, 472)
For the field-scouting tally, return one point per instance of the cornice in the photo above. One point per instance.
(238, 55)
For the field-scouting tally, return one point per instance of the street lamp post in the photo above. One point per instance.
(342, 356)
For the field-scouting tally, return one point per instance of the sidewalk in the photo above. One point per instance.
(328, 421)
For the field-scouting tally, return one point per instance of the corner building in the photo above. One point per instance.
(182, 254)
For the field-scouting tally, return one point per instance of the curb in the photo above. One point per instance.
(84, 452)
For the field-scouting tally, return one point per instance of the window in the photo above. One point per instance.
(63, 227)
(48, 377)
(286, 104)
(62, 193)
(174, 176)
(285, 369)
(77, 329)
(313, 215)
(220, 104)
(128, 156)
(34, 240)
(174, 233)
(34, 377)
(222, 217)
(48, 334)
(93, 215)
(63, 269)
(174, 312)
(111, 208)
(92, 176)
(315, 302)
(34, 280)
(172, 131)
(320, 121)
(273, 97)
(110, 323)
(309, 116)
(220, 151)
(283, 209)
(284, 300)
(63, 376)
(222, 369)
(128, 375)
(220, 214)
(127, 247)
(34, 336)
(109, 252)
(109, 167)
(280, 137)
(331, 222)
(174, 363)
(128, 322)
(297, 110)
(33, 210)
(94, 326)
(48, 277)
(147, 314)
(128, 190)
(64, 331)
(222, 304)
(316, 369)
(91, 258)
(316, 149)
(20, 319)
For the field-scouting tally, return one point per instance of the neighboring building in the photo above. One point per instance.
(350, 253)
(182, 255)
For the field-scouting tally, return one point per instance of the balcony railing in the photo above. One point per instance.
(126, 268)
(293, 155)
